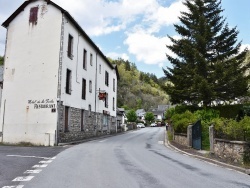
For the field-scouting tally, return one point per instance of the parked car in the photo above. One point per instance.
(153, 125)
(140, 125)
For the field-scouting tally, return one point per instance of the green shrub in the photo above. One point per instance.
(230, 129)
(181, 121)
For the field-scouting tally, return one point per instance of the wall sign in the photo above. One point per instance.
(44, 103)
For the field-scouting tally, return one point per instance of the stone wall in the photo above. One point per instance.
(92, 125)
(231, 151)
(181, 139)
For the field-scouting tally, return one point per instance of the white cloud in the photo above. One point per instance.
(165, 16)
(243, 46)
(114, 55)
(148, 48)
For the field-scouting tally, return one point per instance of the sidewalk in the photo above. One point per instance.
(202, 155)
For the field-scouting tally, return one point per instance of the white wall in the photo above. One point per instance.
(31, 74)
(78, 73)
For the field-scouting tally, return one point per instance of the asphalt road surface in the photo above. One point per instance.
(137, 159)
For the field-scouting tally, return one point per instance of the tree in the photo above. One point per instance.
(209, 65)
(149, 116)
(131, 115)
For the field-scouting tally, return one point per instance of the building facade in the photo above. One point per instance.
(57, 85)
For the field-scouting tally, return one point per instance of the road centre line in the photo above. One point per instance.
(29, 156)
(23, 178)
(33, 171)
(40, 166)
(45, 162)
(13, 186)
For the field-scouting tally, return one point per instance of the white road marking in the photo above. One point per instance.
(14, 186)
(40, 166)
(45, 162)
(160, 142)
(23, 178)
(103, 140)
(28, 156)
(32, 171)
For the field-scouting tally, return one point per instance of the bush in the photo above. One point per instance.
(230, 129)
(181, 121)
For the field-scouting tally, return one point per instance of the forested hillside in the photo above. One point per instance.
(137, 89)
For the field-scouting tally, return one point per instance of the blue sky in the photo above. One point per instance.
(135, 30)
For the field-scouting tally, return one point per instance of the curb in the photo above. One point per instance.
(225, 165)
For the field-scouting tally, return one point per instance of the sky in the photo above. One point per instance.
(135, 30)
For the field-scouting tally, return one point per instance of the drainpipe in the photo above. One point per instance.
(59, 80)
(3, 118)
(95, 94)
(77, 60)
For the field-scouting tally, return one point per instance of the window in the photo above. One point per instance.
(83, 89)
(113, 84)
(70, 47)
(106, 101)
(91, 59)
(82, 119)
(89, 110)
(33, 15)
(84, 59)
(68, 81)
(113, 104)
(66, 120)
(100, 69)
(90, 86)
(106, 78)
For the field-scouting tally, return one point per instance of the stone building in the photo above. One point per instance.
(57, 85)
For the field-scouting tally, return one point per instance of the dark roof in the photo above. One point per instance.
(21, 8)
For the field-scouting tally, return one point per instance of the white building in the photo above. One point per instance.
(54, 78)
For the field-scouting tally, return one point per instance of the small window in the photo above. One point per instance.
(68, 81)
(70, 47)
(66, 119)
(33, 15)
(82, 120)
(91, 59)
(113, 104)
(106, 78)
(100, 69)
(84, 59)
(113, 84)
(89, 110)
(90, 86)
(106, 101)
(83, 89)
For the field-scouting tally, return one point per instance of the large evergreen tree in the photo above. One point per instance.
(208, 65)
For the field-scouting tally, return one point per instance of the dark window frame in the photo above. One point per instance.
(106, 101)
(70, 46)
(83, 89)
(106, 78)
(67, 118)
(84, 59)
(91, 59)
(82, 119)
(68, 81)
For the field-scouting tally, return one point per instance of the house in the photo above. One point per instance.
(58, 86)
(159, 112)
(140, 113)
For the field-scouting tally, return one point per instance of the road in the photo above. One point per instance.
(137, 159)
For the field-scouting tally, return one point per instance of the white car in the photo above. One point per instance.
(140, 125)
(153, 125)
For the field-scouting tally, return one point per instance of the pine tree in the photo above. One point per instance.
(209, 65)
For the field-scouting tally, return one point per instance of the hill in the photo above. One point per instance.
(137, 89)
